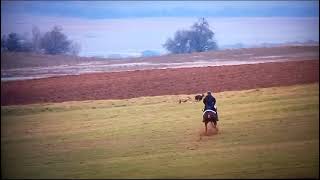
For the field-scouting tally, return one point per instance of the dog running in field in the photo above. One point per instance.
(199, 97)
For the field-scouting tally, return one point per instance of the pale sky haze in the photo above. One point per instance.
(128, 28)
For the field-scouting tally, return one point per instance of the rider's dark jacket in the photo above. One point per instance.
(209, 102)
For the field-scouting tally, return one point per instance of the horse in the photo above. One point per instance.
(210, 116)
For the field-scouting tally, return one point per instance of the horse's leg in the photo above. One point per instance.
(206, 126)
(213, 124)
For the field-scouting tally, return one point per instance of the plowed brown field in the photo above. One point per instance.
(122, 85)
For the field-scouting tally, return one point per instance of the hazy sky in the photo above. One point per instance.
(109, 27)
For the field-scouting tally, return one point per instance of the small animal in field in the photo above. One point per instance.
(184, 100)
(199, 97)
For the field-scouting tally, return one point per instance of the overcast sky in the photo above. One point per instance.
(109, 27)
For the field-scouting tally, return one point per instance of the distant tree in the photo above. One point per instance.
(199, 39)
(13, 42)
(52, 42)
(36, 39)
(25, 43)
(55, 42)
(3, 43)
(26, 46)
(74, 48)
(180, 43)
(202, 37)
(16, 43)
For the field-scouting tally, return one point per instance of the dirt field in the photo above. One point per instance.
(123, 85)
(22, 66)
(26, 60)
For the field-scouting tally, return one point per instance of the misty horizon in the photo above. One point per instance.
(129, 28)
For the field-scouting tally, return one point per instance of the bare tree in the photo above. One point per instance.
(12, 42)
(36, 39)
(55, 42)
(180, 43)
(16, 43)
(199, 39)
(52, 42)
(74, 48)
(3, 43)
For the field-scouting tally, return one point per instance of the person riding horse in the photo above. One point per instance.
(210, 103)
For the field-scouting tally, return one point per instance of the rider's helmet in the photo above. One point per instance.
(209, 92)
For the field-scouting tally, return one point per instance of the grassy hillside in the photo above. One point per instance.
(264, 133)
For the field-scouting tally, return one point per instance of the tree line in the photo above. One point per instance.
(52, 42)
(198, 38)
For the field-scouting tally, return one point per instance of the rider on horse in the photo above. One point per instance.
(210, 103)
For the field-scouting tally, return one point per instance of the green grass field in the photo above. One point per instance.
(263, 133)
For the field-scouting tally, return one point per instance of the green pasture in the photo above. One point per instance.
(263, 133)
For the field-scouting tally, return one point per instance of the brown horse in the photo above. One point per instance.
(210, 116)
